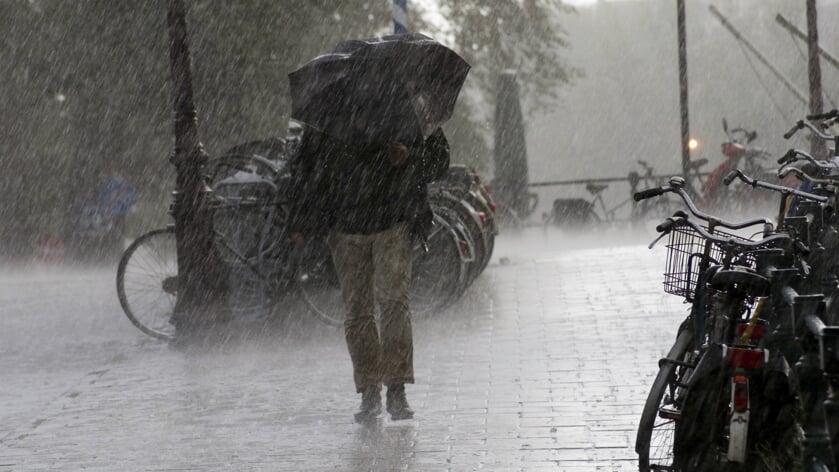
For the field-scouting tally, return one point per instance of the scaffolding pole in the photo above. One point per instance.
(800, 35)
(798, 94)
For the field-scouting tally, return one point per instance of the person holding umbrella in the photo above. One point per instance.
(373, 110)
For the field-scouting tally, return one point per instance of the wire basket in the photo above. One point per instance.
(685, 253)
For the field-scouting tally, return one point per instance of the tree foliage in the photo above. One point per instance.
(87, 83)
(524, 35)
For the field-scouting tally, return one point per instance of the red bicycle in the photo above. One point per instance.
(739, 154)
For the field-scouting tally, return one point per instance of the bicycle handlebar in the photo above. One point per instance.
(676, 187)
(648, 193)
(788, 157)
(824, 116)
(745, 245)
(793, 155)
(798, 125)
(801, 124)
(738, 174)
(666, 225)
(731, 176)
(800, 174)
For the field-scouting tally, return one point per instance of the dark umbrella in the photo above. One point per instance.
(393, 88)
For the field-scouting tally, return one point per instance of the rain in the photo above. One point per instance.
(181, 284)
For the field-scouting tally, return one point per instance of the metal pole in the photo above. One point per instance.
(757, 54)
(818, 439)
(400, 16)
(199, 278)
(800, 35)
(683, 87)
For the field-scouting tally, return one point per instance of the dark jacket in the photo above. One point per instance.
(354, 189)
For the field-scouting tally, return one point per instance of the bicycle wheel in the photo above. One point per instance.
(316, 282)
(467, 246)
(147, 281)
(250, 231)
(479, 234)
(654, 441)
(438, 276)
(701, 439)
(488, 224)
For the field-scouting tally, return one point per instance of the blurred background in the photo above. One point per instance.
(86, 87)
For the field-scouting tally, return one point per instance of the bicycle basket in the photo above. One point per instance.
(685, 253)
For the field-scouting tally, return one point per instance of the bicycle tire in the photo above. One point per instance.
(480, 237)
(654, 442)
(320, 291)
(491, 228)
(702, 438)
(317, 285)
(152, 270)
(438, 277)
(460, 213)
(467, 251)
(251, 231)
(592, 219)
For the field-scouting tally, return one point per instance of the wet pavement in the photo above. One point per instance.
(543, 365)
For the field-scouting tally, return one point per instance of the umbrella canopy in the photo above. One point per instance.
(393, 88)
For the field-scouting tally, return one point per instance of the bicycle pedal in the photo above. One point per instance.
(669, 414)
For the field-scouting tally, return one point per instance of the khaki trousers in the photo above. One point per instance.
(376, 268)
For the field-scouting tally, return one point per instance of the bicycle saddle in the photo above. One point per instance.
(743, 278)
(594, 189)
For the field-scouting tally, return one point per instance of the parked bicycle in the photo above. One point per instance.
(571, 213)
(708, 408)
(739, 153)
(265, 269)
(728, 402)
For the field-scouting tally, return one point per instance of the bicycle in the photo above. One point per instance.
(802, 283)
(463, 243)
(705, 403)
(738, 153)
(809, 338)
(569, 213)
(465, 184)
(659, 208)
(249, 214)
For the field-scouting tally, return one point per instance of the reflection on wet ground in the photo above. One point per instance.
(544, 364)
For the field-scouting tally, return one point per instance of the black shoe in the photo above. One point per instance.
(371, 404)
(397, 404)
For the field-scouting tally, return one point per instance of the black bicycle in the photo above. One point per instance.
(708, 408)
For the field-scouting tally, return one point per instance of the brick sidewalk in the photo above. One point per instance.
(544, 365)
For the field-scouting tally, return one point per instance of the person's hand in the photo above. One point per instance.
(397, 154)
(297, 237)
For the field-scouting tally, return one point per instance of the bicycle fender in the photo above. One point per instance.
(710, 362)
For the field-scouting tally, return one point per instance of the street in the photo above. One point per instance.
(543, 365)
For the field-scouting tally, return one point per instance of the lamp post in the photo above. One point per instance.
(200, 289)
